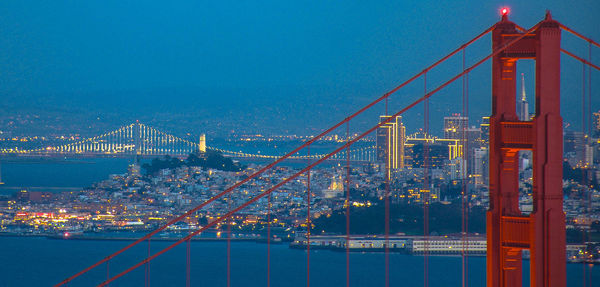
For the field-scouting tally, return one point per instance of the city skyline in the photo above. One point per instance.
(403, 131)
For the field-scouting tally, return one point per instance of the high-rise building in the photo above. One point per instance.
(522, 104)
(588, 155)
(453, 147)
(437, 154)
(485, 130)
(454, 126)
(596, 125)
(473, 135)
(390, 142)
(522, 110)
(480, 165)
(575, 148)
(456, 168)
(573, 141)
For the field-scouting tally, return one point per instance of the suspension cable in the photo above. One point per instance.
(309, 142)
(308, 222)
(426, 190)
(580, 59)
(463, 175)
(317, 162)
(579, 35)
(347, 188)
(229, 222)
(390, 147)
(269, 240)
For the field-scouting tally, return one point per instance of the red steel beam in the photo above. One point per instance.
(578, 35)
(580, 59)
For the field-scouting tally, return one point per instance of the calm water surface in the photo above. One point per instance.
(56, 175)
(43, 262)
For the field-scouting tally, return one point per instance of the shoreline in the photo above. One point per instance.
(121, 238)
(258, 240)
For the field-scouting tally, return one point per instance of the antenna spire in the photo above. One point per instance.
(523, 96)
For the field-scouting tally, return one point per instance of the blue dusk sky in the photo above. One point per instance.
(278, 66)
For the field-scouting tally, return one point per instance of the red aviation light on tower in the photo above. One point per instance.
(504, 11)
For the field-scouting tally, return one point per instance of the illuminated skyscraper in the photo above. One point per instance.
(522, 104)
(390, 142)
(485, 130)
(453, 126)
(202, 143)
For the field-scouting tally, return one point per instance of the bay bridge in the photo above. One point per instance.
(509, 231)
(138, 139)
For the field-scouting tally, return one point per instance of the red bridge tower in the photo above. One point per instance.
(508, 230)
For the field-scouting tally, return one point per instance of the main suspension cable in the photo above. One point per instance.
(319, 161)
(271, 165)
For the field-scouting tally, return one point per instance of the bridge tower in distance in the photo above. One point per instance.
(508, 230)
(202, 143)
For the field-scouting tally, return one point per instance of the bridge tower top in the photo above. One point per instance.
(508, 230)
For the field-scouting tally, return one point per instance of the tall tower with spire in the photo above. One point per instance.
(522, 104)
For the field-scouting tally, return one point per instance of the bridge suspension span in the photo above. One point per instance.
(509, 232)
(140, 139)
